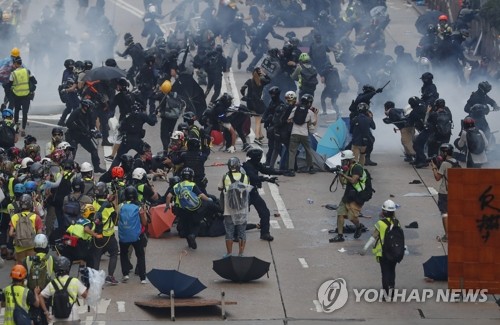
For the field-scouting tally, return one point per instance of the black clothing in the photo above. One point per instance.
(479, 97)
(429, 93)
(360, 130)
(79, 126)
(388, 274)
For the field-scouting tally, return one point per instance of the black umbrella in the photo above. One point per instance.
(241, 269)
(436, 268)
(184, 286)
(104, 73)
(429, 18)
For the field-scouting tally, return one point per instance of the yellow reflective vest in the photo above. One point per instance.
(381, 227)
(21, 82)
(21, 296)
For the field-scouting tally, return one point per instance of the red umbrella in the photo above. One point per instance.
(161, 220)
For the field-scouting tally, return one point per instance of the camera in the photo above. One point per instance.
(337, 169)
(437, 160)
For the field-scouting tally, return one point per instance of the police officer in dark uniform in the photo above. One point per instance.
(480, 96)
(429, 89)
(214, 65)
(81, 130)
(147, 80)
(440, 121)
(268, 120)
(131, 128)
(136, 51)
(195, 159)
(252, 168)
(365, 96)
(124, 99)
(259, 43)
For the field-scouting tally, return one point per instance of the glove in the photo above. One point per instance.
(379, 90)
(496, 108)
(272, 179)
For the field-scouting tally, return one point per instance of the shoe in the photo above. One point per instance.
(98, 135)
(258, 141)
(239, 65)
(111, 280)
(106, 143)
(191, 239)
(358, 232)
(368, 162)
(409, 159)
(109, 158)
(241, 255)
(144, 281)
(442, 239)
(226, 255)
(267, 237)
(421, 165)
(337, 239)
(289, 173)
(99, 170)
(246, 146)
(125, 278)
(311, 170)
(23, 133)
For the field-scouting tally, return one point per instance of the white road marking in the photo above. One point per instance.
(287, 221)
(274, 224)
(121, 306)
(303, 262)
(318, 307)
(103, 305)
(432, 190)
(44, 123)
(52, 117)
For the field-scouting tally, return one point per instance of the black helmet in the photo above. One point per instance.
(431, 29)
(440, 103)
(234, 164)
(274, 91)
(193, 144)
(123, 83)
(189, 117)
(413, 101)
(88, 104)
(182, 127)
(368, 88)
(427, 76)
(255, 154)
(399, 50)
(57, 131)
(254, 11)
(128, 38)
(469, 123)
(101, 190)
(126, 162)
(287, 48)
(187, 174)
(69, 63)
(150, 59)
(110, 62)
(363, 107)
(36, 170)
(29, 139)
(88, 65)
(226, 98)
(447, 148)
(68, 164)
(62, 265)
(26, 202)
(485, 86)
(174, 180)
(130, 193)
(79, 65)
(77, 184)
(389, 104)
(306, 100)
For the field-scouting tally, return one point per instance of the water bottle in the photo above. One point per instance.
(310, 201)
(407, 252)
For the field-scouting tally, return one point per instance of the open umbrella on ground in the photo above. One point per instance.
(104, 73)
(183, 285)
(333, 141)
(428, 18)
(436, 268)
(161, 220)
(241, 268)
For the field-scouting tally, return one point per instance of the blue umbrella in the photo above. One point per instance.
(184, 286)
(334, 139)
(436, 268)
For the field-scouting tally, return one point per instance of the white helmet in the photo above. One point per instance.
(290, 95)
(347, 154)
(138, 173)
(177, 135)
(86, 167)
(63, 145)
(25, 162)
(45, 159)
(152, 9)
(389, 205)
(41, 241)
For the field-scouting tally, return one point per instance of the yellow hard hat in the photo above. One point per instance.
(166, 87)
(15, 52)
(88, 211)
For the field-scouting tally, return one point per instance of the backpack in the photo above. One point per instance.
(444, 124)
(38, 274)
(366, 194)
(98, 217)
(393, 247)
(61, 305)
(172, 108)
(63, 189)
(129, 223)
(300, 115)
(25, 232)
(278, 116)
(21, 316)
(131, 124)
(237, 193)
(7, 135)
(188, 200)
(309, 76)
(475, 141)
(72, 208)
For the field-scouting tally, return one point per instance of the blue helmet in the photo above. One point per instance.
(19, 189)
(30, 187)
(7, 113)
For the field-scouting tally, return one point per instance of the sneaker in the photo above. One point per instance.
(226, 255)
(370, 163)
(421, 165)
(109, 158)
(258, 141)
(239, 65)
(106, 143)
(191, 239)
(241, 255)
(125, 278)
(98, 135)
(358, 232)
(337, 239)
(289, 173)
(111, 280)
(246, 146)
(231, 149)
(443, 239)
(311, 171)
(144, 281)
(267, 237)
